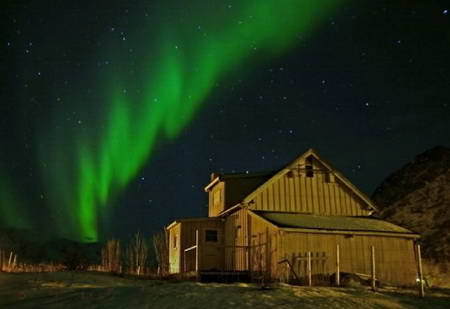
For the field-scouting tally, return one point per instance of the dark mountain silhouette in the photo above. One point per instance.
(32, 247)
(417, 196)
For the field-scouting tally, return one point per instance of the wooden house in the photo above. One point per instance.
(305, 221)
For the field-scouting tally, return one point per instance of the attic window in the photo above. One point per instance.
(175, 241)
(309, 167)
(211, 235)
(330, 178)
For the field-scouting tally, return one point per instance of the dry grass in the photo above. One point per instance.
(9, 262)
(437, 274)
(96, 290)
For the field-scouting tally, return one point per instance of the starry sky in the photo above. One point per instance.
(113, 114)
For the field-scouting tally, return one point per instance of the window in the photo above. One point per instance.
(175, 241)
(211, 236)
(309, 167)
(329, 177)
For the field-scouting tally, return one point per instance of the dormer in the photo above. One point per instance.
(216, 195)
(226, 190)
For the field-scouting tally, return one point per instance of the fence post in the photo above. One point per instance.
(338, 267)
(309, 269)
(184, 262)
(197, 258)
(419, 258)
(373, 269)
(197, 254)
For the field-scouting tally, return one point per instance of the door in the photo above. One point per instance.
(212, 250)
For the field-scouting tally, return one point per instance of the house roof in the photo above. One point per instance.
(331, 223)
(293, 164)
(261, 176)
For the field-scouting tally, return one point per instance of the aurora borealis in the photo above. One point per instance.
(114, 113)
(185, 60)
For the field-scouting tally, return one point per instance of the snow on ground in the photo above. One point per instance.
(96, 290)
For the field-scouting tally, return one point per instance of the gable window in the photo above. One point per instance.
(174, 241)
(309, 167)
(211, 236)
(329, 177)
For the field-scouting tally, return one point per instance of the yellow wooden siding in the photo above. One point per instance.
(236, 241)
(174, 248)
(395, 257)
(216, 207)
(265, 250)
(294, 192)
(210, 254)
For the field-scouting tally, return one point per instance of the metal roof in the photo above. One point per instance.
(332, 223)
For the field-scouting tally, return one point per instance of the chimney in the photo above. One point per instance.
(214, 176)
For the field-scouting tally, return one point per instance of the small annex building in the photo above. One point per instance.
(300, 219)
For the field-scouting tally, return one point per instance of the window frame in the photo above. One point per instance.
(216, 231)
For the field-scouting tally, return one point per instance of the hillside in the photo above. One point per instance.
(32, 247)
(95, 290)
(417, 197)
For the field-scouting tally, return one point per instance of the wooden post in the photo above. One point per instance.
(419, 258)
(338, 267)
(249, 243)
(197, 254)
(267, 270)
(373, 269)
(184, 262)
(309, 269)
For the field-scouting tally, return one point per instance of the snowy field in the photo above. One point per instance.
(94, 290)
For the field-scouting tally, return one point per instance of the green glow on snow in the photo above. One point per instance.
(192, 50)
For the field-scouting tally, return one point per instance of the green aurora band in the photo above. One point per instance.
(192, 50)
(11, 211)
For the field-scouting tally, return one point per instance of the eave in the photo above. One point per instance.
(212, 184)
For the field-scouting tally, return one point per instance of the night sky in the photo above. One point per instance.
(113, 114)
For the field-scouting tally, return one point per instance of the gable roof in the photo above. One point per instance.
(295, 163)
(330, 223)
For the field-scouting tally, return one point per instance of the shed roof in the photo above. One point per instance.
(332, 223)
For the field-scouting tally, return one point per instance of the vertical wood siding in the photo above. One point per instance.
(210, 254)
(174, 252)
(215, 209)
(236, 241)
(295, 192)
(395, 257)
(265, 248)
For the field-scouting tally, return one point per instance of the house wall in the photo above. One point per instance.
(250, 242)
(322, 194)
(174, 248)
(211, 255)
(216, 199)
(236, 241)
(394, 256)
(265, 249)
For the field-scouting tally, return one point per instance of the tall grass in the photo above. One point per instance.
(9, 262)
(437, 274)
